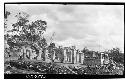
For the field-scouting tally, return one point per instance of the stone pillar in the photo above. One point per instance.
(79, 57)
(65, 56)
(75, 57)
(39, 55)
(24, 52)
(102, 59)
(47, 59)
(71, 56)
(27, 53)
(82, 57)
(106, 59)
(107, 56)
(21, 53)
(54, 55)
(68, 55)
(33, 55)
(46, 54)
(94, 55)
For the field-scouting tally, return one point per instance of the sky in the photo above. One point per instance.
(97, 27)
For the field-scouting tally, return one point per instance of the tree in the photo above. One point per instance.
(6, 36)
(117, 55)
(29, 33)
(85, 50)
(59, 54)
(6, 14)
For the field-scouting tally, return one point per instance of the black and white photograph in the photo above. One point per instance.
(63, 40)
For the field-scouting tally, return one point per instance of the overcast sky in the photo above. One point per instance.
(98, 27)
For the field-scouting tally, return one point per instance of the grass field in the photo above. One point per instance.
(14, 66)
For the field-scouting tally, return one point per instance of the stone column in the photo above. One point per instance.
(31, 55)
(94, 55)
(75, 57)
(107, 56)
(21, 53)
(71, 56)
(54, 55)
(79, 57)
(106, 60)
(24, 52)
(82, 54)
(39, 55)
(47, 56)
(65, 56)
(102, 59)
(28, 54)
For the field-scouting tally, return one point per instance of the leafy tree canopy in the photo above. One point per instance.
(29, 33)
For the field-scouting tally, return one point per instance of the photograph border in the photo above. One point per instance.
(64, 76)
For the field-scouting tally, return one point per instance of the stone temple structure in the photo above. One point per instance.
(70, 55)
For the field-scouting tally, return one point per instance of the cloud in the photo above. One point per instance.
(94, 26)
